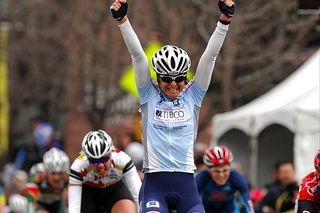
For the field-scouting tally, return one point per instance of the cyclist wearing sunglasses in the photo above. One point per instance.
(308, 200)
(219, 184)
(102, 178)
(170, 112)
(50, 179)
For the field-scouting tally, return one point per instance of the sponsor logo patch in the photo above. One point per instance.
(153, 203)
(172, 116)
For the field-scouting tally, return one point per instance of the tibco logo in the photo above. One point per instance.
(177, 115)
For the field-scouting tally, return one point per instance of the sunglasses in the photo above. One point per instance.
(96, 162)
(169, 79)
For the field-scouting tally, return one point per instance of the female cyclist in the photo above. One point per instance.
(102, 179)
(170, 111)
(51, 179)
(308, 200)
(219, 184)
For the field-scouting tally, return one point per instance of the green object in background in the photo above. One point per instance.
(4, 102)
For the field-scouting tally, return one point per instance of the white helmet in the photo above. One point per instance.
(171, 60)
(97, 144)
(56, 160)
(18, 203)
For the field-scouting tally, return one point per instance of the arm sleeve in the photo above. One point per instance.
(207, 61)
(243, 187)
(133, 182)
(74, 198)
(138, 57)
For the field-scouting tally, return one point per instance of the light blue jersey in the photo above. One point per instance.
(170, 128)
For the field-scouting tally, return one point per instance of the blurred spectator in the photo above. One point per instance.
(281, 197)
(43, 133)
(275, 177)
(135, 151)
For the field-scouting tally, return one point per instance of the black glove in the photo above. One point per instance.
(228, 11)
(122, 12)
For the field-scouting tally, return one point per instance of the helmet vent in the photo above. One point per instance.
(176, 53)
(180, 63)
(165, 64)
(90, 149)
(103, 146)
(173, 64)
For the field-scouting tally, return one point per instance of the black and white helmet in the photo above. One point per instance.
(56, 160)
(171, 60)
(18, 203)
(97, 144)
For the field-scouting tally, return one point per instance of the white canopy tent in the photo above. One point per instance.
(283, 124)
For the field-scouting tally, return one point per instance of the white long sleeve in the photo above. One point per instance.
(207, 61)
(74, 198)
(133, 182)
(138, 56)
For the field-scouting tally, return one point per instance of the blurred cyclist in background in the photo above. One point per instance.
(18, 204)
(219, 184)
(102, 178)
(51, 178)
(308, 200)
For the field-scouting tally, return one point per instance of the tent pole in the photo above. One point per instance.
(254, 161)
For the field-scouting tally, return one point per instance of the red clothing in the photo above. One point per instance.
(310, 190)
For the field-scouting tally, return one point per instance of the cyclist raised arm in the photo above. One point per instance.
(103, 177)
(170, 112)
(308, 199)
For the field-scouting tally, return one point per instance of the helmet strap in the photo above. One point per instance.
(158, 78)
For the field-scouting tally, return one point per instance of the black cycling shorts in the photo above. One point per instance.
(55, 207)
(102, 199)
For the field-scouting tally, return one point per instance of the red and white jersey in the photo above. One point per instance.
(82, 172)
(310, 189)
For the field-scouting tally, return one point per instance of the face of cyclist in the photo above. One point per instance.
(220, 174)
(101, 166)
(55, 178)
(172, 86)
